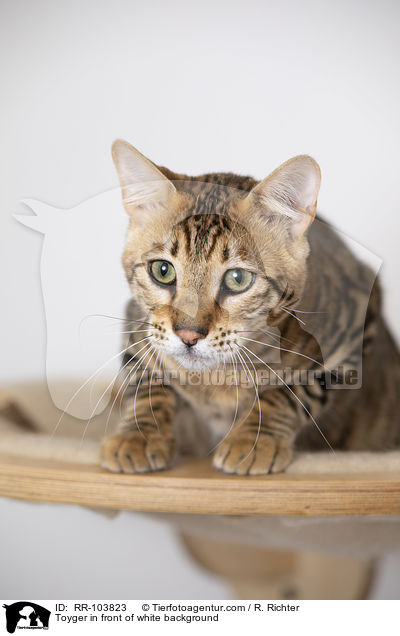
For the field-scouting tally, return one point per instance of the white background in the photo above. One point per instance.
(196, 86)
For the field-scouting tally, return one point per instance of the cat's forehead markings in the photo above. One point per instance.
(209, 197)
(174, 247)
(171, 246)
(157, 246)
(225, 253)
(201, 232)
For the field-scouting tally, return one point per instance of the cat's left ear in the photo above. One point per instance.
(144, 188)
(291, 192)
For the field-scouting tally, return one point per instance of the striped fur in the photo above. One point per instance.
(204, 226)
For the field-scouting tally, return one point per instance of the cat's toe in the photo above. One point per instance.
(133, 452)
(234, 456)
(245, 456)
(273, 456)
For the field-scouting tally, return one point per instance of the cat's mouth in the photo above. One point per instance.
(196, 358)
(200, 356)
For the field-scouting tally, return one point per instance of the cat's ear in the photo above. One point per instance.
(144, 187)
(291, 192)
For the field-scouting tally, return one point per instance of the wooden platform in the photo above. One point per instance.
(193, 486)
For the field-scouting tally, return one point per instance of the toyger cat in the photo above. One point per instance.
(220, 268)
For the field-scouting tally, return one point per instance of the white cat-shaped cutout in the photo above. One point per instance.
(84, 292)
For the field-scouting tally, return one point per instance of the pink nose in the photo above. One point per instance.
(189, 336)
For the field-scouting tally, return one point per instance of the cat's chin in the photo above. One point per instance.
(195, 362)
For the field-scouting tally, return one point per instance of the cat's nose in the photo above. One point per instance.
(189, 336)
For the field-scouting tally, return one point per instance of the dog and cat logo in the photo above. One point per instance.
(26, 615)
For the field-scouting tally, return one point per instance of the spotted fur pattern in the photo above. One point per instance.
(314, 309)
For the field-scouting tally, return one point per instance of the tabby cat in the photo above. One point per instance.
(260, 320)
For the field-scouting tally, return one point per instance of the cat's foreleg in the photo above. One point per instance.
(261, 443)
(145, 438)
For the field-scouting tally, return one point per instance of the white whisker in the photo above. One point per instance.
(136, 393)
(93, 375)
(113, 333)
(128, 378)
(122, 385)
(259, 411)
(301, 311)
(151, 380)
(293, 315)
(303, 355)
(293, 393)
(236, 408)
(127, 321)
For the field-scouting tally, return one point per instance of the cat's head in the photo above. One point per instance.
(212, 258)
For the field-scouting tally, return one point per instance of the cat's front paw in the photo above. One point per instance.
(134, 452)
(240, 454)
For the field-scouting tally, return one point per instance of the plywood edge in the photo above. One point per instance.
(194, 487)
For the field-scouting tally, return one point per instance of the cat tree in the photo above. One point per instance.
(312, 532)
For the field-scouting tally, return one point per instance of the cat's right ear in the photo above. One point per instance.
(144, 188)
(290, 194)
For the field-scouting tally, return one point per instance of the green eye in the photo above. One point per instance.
(162, 272)
(238, 280)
